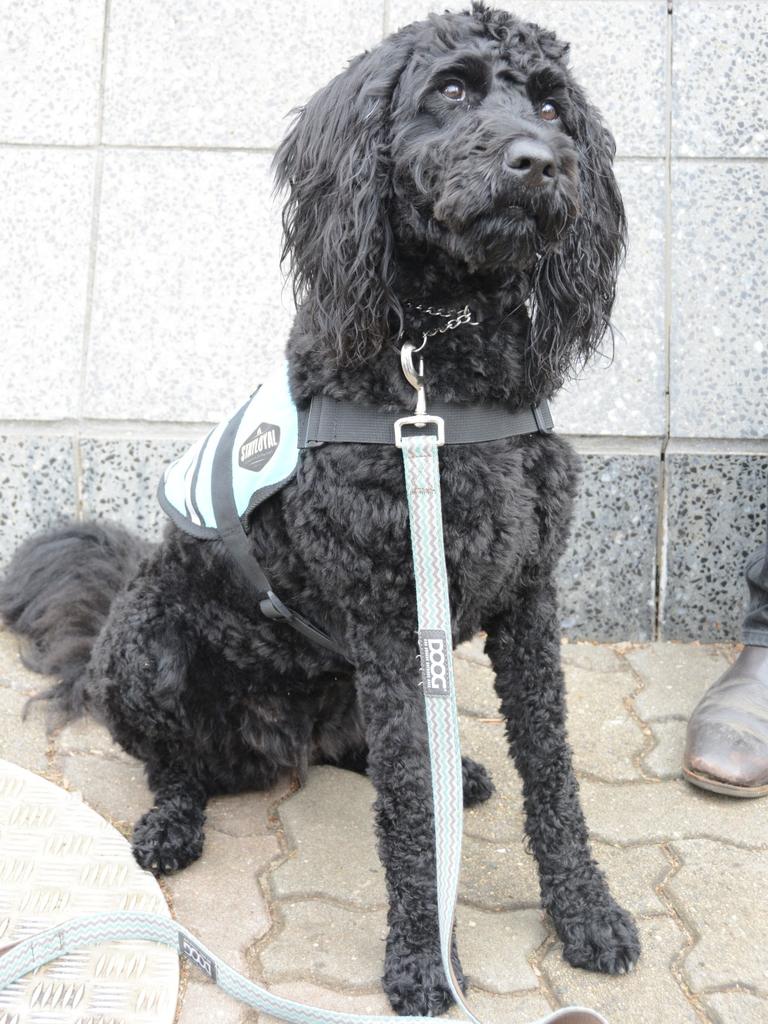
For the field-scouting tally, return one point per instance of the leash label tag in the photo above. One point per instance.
(434, 662)
(194, 953)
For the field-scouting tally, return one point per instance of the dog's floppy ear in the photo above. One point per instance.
(574, 285)
(337, 237)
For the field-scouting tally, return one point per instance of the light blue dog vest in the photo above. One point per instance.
(263, 456)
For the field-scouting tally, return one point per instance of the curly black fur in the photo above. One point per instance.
(398, 193)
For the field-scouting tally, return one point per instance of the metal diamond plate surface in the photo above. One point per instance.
(59, 858)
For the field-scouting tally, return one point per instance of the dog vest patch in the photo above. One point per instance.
(264, 456)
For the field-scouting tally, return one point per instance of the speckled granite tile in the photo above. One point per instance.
(45, 227)
(625, 395)
(626, 82)
(719, 87)
(50, 70)
(120, 481)
(37, 485)
(189, 305)
(216, 73)
(607, 573)
(716, 519)
(719, 354)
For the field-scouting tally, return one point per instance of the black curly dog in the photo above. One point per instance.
(457, 162)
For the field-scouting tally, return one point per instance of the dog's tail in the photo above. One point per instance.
(56, 594)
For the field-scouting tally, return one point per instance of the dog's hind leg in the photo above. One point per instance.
(524, 647)
(170, 835)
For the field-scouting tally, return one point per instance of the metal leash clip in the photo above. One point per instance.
(416, 379)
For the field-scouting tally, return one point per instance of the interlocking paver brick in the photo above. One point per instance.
(592, 657)
(606, 740)
(219, 899)
(115, 788)
(497, 877)
(327, 944)
(13, 674)
(23, 742)
(495, 947)
(475, 694)
(647, 995)
(506, 1009)
(653, 812)
(674, 676)
(204, 1003)
(374, 1002)
(499, 819)
(664, 761)
(736, 1008)
(330, 823)
(245, 814)
(338, 946)
(720, 891)
(85, 736)
(634, 872)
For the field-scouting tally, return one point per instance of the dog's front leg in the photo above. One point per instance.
(524, 647)
(398, 765)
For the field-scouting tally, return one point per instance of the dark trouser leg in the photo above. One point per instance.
(755, 628)
(524, 648)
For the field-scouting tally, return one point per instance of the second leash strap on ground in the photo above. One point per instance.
(422, 479)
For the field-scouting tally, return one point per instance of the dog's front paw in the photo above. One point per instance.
(602, 937)
(166, 841)
(477, 782)
(416, 985)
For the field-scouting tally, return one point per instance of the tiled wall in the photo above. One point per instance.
(140, 293)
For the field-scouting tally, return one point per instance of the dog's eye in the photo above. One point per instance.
(453, 90)
(548, 111)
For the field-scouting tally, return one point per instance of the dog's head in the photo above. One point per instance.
(462, 140)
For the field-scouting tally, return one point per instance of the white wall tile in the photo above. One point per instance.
(45, 227)
(50, 70)
(625, 394)
(720, 86)
(224, 72)
(719, 349)
(189, 308)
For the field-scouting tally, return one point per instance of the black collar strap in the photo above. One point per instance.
(332, 421)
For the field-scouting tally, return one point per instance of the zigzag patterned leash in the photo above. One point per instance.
(422, 477)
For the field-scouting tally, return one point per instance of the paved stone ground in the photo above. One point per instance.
(290, 891)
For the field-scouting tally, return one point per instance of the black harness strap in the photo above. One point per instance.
(235, 539)
(329, 421)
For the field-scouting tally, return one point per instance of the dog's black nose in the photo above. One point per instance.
(531, 162)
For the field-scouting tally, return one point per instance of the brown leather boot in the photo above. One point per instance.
(727, 746)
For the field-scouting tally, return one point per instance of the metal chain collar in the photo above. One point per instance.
(455, 318)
